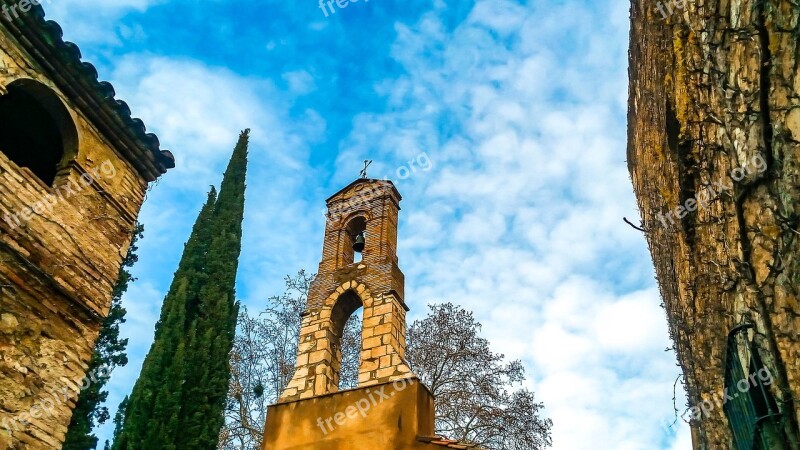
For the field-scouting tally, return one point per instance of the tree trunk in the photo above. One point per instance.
(714, 155)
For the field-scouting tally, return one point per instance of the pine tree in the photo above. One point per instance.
(109, 353)
(178, 400)
(152, 397)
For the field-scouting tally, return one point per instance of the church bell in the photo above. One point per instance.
(358, 245)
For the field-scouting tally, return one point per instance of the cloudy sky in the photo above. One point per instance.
(520, 106)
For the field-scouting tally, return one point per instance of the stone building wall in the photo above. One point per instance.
(390, 408)
(389, 416)
(61, 247)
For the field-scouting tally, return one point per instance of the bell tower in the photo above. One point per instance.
(390, 408)
(361, 221)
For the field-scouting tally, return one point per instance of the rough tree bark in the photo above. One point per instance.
(714, 126)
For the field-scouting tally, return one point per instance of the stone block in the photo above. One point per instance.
(382, 329)
(371, 342)
(385, 373)
(319, 356)
(369, 365)
(377, 352)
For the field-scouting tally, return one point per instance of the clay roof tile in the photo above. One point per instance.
(43, 39)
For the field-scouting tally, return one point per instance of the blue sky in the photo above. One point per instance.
(520, 106)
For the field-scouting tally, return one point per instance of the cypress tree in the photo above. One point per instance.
(109, 353)
(215, 325)
(119, 418)
(177, 402)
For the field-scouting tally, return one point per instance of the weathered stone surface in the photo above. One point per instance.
(714, 93)
(61, 247)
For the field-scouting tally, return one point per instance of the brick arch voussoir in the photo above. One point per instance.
(344, 220)
(360, 289)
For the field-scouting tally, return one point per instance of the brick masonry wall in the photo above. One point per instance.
(57, 268)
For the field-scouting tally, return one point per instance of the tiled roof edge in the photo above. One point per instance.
(43, 39)
(449, 443)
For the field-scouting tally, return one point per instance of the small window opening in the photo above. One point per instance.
(346, 342)
(36, 130)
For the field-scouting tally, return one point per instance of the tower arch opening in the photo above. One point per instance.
(346, 340)
(36, 129)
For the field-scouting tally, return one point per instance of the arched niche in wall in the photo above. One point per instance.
(36, 129)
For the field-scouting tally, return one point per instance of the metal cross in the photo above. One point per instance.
(367, 163)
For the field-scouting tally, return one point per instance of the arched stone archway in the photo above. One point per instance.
(382, 343)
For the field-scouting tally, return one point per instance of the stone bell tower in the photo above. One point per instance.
(366, 209)
(390, 409)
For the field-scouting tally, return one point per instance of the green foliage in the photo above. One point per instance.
(109, 353)
(178, 400)
(119, 418)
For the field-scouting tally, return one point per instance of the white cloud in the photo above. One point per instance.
(300, 82)
(201, 109)
(632, 324)
(683, 441)
(87, 20)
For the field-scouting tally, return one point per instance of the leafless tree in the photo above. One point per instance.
(263, 362)
(475, 399)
